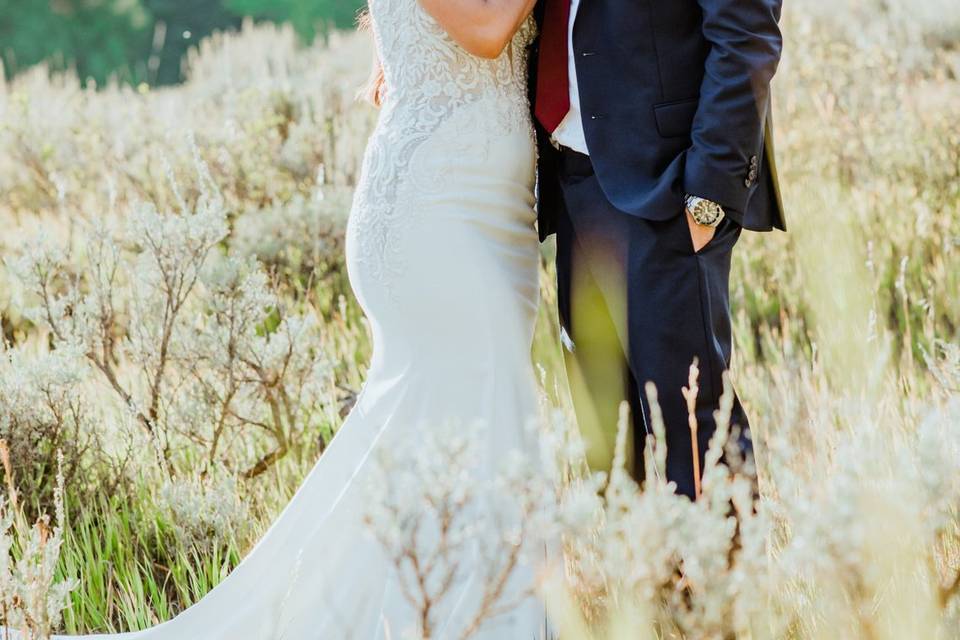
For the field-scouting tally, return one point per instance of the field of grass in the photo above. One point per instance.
(180, 343)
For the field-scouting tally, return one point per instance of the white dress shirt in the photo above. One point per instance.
(570, 132)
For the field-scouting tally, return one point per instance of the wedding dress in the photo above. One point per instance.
(443, 255)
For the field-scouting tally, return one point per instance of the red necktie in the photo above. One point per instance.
(553, 81)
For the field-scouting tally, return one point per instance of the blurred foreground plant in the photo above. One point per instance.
(445, 520)
(32, 594)
(864, 547)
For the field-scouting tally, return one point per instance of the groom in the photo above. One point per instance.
(656, 151)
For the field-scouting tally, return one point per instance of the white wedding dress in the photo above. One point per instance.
(443, 256)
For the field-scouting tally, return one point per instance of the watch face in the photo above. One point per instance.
(705, 213)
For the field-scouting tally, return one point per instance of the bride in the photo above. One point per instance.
(442, 252)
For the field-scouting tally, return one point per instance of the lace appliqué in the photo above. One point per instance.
(430, 81)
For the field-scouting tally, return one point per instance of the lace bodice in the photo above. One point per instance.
(430, 75)
(430, 82)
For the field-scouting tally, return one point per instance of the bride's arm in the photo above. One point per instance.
(482, 27)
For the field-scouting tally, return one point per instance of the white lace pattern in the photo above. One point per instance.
(430, 80)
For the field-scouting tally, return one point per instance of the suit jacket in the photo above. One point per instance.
(675, 97)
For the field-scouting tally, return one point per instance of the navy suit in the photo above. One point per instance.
(675, 97)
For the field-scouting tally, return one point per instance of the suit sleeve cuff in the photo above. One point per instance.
(730, 191)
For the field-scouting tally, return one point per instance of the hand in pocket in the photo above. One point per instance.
(700, 235)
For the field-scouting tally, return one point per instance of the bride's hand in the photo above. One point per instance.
(373, 90)
(482, 27)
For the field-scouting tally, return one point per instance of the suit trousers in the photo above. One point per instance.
(638, 305)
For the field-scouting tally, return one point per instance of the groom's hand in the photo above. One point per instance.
(700, 234)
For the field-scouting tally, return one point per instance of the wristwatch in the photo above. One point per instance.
(705, 212)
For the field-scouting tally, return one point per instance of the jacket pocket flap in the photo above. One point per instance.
(675, 119)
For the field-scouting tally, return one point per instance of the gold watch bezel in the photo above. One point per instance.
(700, 206)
